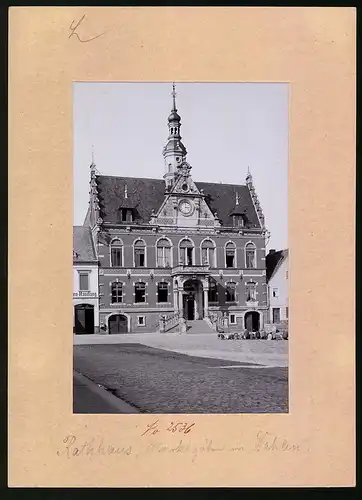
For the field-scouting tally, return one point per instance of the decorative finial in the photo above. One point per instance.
(237, 199)
(173, 94)
(125, 191)
(93, 155)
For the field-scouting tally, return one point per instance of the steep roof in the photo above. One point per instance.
(83, 248)
(273, 261)
(147, 195)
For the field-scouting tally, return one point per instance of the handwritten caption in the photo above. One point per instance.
(263, 441)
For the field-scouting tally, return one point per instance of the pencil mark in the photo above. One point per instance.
(73, 31)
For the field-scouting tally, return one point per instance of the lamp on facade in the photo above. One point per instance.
(241, 274)
(152, 274)
(129, 274)
(221, 274)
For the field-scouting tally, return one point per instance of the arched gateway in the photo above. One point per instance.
(118, 323)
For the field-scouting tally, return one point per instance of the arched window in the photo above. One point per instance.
(116, 253)
(163, 253)
(208, 253)
(139, 253)
(230, 256)
(186, 253)
(230, 291)
(250, 256)
(250, 291)
(162, 292)
(213, 291)
(117, 292)
(140, 292)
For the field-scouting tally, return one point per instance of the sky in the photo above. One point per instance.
(226, 128)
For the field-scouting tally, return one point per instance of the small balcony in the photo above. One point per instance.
(190, 270)
(84, 294)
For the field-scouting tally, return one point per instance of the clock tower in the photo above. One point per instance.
(174, 152)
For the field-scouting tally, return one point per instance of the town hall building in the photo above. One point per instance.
(173, 252)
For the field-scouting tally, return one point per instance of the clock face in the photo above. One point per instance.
(185, 207)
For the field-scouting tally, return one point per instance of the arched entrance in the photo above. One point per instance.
(118, 323)
(83, 319)
(252, 321)
(192, 305)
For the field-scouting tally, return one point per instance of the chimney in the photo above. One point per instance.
(272, 250)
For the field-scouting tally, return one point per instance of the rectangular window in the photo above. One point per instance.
(116, 257)
(139, 257)
(189, 256)
(250, 259)
(276, 315)
(204, 256)
(287, 312)
(275, 292)
(160, 257)
(230, 293)
(140, 292)
(212, 292)
(230, 258)
(83, 281)
(141, 321)
(251, 291)
(117, 293)
(162, 292)
(232, 319)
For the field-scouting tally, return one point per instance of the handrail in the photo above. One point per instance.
(168, 322)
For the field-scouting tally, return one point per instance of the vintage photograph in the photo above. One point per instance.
(180, 248)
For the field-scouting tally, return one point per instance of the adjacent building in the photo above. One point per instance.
(85, 282)
(172, 249)
(277, 265)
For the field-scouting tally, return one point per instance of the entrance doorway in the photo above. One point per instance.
(118, 323)
(189, 306)
(83, 319)
(252, 321)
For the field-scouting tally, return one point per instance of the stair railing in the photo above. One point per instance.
(166, 323)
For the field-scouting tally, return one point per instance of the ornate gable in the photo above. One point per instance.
(184, 204)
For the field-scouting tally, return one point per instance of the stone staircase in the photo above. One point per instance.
(198, 326)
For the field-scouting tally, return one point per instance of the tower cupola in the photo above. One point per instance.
(174, 152)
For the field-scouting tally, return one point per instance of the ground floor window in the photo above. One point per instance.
(212, 292)
(141, 321)
(230, 292)
(232, 319)
(276, 315)
(162, 292)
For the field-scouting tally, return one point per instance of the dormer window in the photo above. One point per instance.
(126, 215)
(238, 220)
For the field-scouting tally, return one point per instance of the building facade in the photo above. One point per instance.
(177, 249)
(278, 278)
(85, 283)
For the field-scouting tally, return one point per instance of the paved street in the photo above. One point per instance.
(163, 381)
